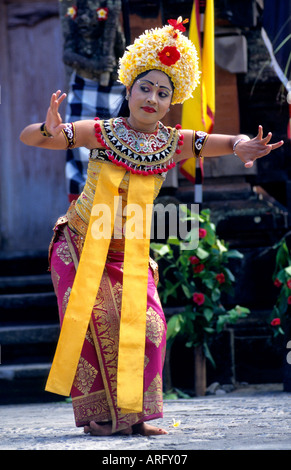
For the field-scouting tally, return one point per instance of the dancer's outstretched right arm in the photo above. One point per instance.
(49, 133)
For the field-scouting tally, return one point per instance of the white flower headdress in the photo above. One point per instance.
(165, 49)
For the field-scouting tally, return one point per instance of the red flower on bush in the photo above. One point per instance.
(194, 260)
(169, 55)
(277, 283)
(202, 233)
(289, 300)
(198, 298)
(198, 268)
(276, 322)
(289, 283)
(220, 278)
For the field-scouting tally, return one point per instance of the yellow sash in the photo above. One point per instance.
(85, 289)
(134, 299)
(134, 295)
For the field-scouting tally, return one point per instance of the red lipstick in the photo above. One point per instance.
(148, 109)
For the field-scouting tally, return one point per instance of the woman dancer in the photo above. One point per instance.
(112, 344)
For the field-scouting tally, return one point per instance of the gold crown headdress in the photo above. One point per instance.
(165, 49)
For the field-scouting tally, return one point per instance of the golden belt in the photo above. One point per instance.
(80, 227)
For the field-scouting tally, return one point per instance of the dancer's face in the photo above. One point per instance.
(149, 100)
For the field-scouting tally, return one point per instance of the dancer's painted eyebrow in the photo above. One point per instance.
(151, 83)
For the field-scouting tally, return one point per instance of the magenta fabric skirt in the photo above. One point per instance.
(94, 391)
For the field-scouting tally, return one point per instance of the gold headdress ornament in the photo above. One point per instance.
(165, 49)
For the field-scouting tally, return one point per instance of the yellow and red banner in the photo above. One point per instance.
(198, 112)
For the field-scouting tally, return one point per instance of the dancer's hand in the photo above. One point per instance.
(53, 122)
(249, 150)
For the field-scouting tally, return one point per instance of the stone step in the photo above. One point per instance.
(23, 263)
(29, 334)
(26, 308)
(27, 343)
(25, 383)
(26, 284)
(218, 192)
(23, 371)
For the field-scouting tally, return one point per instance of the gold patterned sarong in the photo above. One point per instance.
(130, 374)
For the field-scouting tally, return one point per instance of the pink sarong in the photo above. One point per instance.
(94, 392)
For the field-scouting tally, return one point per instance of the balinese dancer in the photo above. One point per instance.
(111, 349)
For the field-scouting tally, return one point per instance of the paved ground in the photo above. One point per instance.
(250, 418)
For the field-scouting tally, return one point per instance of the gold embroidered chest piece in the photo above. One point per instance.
(138, 152)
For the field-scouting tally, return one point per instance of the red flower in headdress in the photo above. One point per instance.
(169, 55)
(178, 24)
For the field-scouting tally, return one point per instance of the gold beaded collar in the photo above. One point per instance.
(136, 151)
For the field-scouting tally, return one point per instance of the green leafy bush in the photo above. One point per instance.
(201, 275)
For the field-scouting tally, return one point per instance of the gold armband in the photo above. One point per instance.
(44, 131)
(199, 140)
(70, 134)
